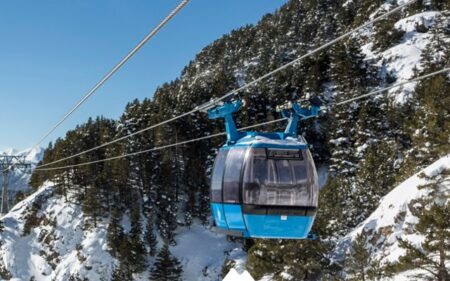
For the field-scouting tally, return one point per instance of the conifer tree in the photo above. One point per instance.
(121, 274)
(91, 204)
(375, 178)
(150, 236)
(433, 212)
(189, 208)
(137, 255)
(386, 35)
(166, 267)
(357, 259)
(115, 231)
(264, 257)
(166, 205)
(125, 269)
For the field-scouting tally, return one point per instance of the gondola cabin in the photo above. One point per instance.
(264, 185)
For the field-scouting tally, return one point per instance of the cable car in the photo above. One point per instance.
(264, 185)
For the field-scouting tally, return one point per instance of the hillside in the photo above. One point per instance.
(147, 215)
(18, 181)
(45, 238)
(395, 218)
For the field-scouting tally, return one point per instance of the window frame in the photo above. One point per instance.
(237, 192)
(212, 194)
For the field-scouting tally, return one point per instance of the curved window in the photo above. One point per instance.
(280, 178)
(232, 176)
(217, 176)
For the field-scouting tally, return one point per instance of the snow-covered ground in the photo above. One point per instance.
(62, 245)
(401, 60)
(392, 219)
(202, 252)
(18, 180)
(58, 247)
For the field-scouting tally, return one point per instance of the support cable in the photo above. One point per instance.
(158, 148)
(115, 68)
(119, 65)
(234, 92)
(379, 91)
(391, 87)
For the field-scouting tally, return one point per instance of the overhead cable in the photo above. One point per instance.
(391, 87)
(379, 91)
(234, 92)
(119, 65)
(157, 148)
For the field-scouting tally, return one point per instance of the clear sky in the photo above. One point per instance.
(53, 51)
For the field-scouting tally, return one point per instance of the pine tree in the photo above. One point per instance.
(166, 267)
(386, 35)
(91, 204)
(433, 213)
(125, 269)
(32, 219)
(137, 257)
(2, 226)
(166, 205)
(358, 259)
(264, 257)
(115, 231)
(427, 133)
(150, 236)
(375, 178)
(121, 274)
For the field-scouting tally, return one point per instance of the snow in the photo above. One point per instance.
(18, 181)
(391, 220)
(409, 24)
(401, 60)
(339, 141)
(199, 249)
(82, 250)
(248, 140)
(31, 255)
(233, 275)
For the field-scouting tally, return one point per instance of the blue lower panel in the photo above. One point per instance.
(219, 215)
(233, 216)
(275, 226)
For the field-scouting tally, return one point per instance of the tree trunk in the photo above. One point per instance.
(443, 274)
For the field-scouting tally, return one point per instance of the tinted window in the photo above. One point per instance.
(300, 171)
(284, 173)
(282, 180)
(232, 175)
(217, 176)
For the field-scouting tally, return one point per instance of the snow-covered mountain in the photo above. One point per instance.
(57, 244)
(45, 238)
(18, 181)
(401, 60)
(393, 219)
(50, 234)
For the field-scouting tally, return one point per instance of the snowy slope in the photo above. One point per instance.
(400, 60)
(61, 246)
(56, 248)
(202, 252)
(392, 219)
(19, 180)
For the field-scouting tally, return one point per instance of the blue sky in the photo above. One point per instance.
(52, 52)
